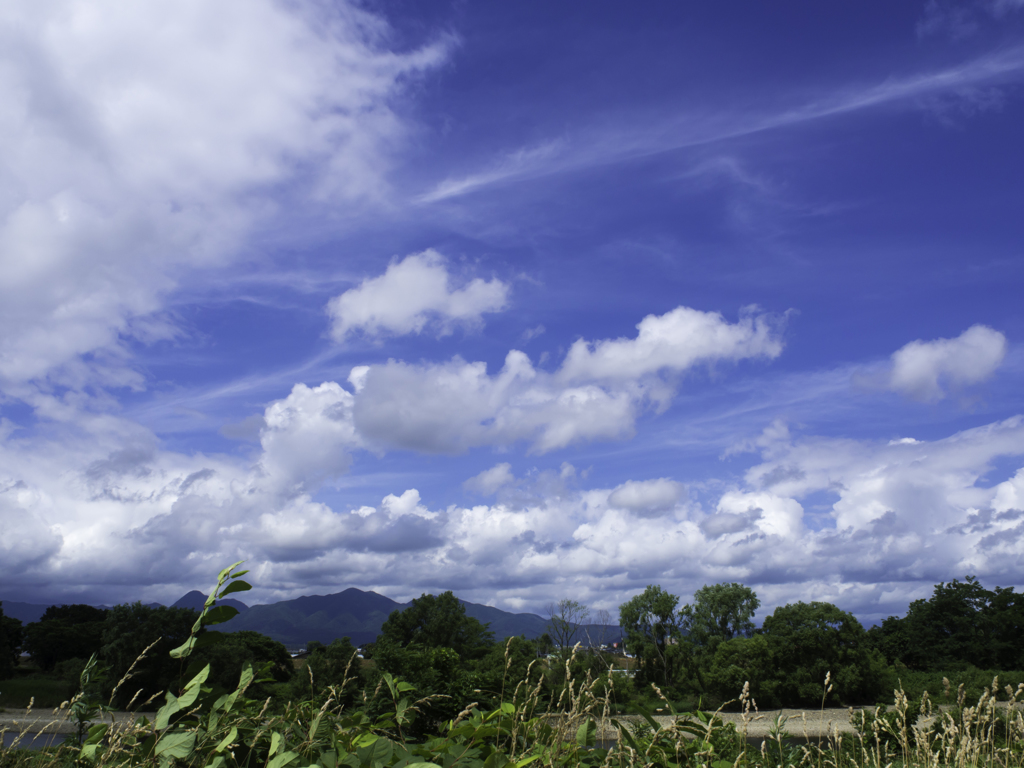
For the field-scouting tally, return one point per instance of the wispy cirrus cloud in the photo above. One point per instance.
(975, 83)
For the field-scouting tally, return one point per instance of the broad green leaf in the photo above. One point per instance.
(219, 615)
(228, 740)
(283, 759)
(497, 759)
(167, 711)
(96, 733)
(721, 764)
(236, 586)
(275, 742)
(178, 745)
(223, 575)
(422, 765)
(586, 733)
(526, 761)
(185, 648)
(193, 688)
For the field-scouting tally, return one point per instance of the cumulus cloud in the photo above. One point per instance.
(409, 296)
(925, 370)
(146, 140)
(677, 340)
(898, 518)
(308, 437)
(595, 395)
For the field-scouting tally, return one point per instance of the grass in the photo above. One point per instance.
(47, 690)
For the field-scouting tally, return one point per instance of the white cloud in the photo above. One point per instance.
(924, 370)
(491, 480)
(145, 140)
(308, 437)
(91, 515)
(676, 341)
(595, 395)
(646, 496)
(411, 294)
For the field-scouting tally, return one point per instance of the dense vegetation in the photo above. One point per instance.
(522, 711)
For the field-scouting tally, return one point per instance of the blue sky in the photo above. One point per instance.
(523, 300)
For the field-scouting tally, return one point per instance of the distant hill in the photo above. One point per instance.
(359, 616)
(352, 613)
(196, 600)
(26, 613)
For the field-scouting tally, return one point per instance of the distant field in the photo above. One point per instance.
(49, 692)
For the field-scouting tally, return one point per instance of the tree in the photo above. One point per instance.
(808, 641)
(719, 612)
(437, 621)
(435, 646)
(952, 628)
(336, 665)
(651, 625)
(236, 649)
(128, 630)
(565, 619)
(65, 632)
(10, 643)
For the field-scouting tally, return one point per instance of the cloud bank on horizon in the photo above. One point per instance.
(423, 300)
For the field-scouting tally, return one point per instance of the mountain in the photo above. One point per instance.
(359, 616)
(353, 613)
(505, 624)
(196, 600)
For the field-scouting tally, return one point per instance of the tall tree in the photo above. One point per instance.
(65, 632)
(651, 626)
(719, 612)
(128, 630)
(10, 643)
(564, 621)
(808, 641)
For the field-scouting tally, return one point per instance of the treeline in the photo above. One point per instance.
(705, 650)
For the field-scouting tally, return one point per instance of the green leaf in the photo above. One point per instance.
(223, 575)
(228, 740)
(185, 648)
(497, 759)
(586, 734)
(97, 732)
(283, 759)
(219, 615)
(275, 742)
(178, 745)
(236, 586)
(526, 761)
(193, 688)
(721, 764)
(167, 711)
(422, 765)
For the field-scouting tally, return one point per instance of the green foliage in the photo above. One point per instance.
(65, 632)
(809, 641)
(652, 629)
(433, 645)
(961, 624)
(332, 670)
(10, 643)
(719, 612)
(437, 621)
(233, 650)
(128, 631)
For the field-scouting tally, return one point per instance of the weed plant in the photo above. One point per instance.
(204, 726)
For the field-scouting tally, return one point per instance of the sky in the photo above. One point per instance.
(528, 301)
